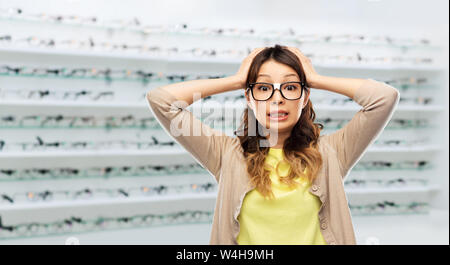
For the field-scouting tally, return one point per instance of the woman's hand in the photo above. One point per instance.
(242, 73)
(311, 74)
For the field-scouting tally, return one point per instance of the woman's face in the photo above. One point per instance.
(272, 71)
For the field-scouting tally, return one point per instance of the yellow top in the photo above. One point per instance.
(289, 219)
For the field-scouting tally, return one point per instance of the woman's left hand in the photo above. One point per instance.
(311, 74)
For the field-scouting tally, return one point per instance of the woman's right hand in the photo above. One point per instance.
(242, 73)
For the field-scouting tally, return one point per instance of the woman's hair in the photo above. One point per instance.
(300, 148)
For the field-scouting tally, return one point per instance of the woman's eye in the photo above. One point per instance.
(290, 87)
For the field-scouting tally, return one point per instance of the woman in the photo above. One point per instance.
(279, 180)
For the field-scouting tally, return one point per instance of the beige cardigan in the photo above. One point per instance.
(222, 156)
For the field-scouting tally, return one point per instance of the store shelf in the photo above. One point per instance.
(87, 153)
(174, 151)
(106, 202)
(422, 229)
(74, 104)
(179, 234)
(415, 149)
(181, 197)
(81, 53)
(178, 31)
(418, 189)
(139, 106)
(174, 59)
(399, 108)
(117, 55)
(429, 229)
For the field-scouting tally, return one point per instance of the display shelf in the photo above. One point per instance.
(193, 233)
(64, 178)
(183, 30)
(421, 229)
(179, 197)
(377, 191)
(157, 126)
(174, 59)
(165, 58)
(87, 153)
(129, 106)
(399, 108)
(405, 149)
(106, 202)
(430, 229)
(65, 204)
(83, 53)
(179, 151)
(140, 106)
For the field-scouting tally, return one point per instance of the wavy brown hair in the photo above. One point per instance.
(300, 148)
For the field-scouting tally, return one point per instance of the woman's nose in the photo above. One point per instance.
(277, 98)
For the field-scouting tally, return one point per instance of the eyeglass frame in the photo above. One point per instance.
(276, 86)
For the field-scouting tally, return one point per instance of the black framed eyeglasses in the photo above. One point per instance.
(262, 91)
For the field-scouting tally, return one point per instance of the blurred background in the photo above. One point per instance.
(82, 160)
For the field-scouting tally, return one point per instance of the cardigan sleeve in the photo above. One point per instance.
(206, 145)
(378, 101)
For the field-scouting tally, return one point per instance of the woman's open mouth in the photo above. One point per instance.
(278, 115)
